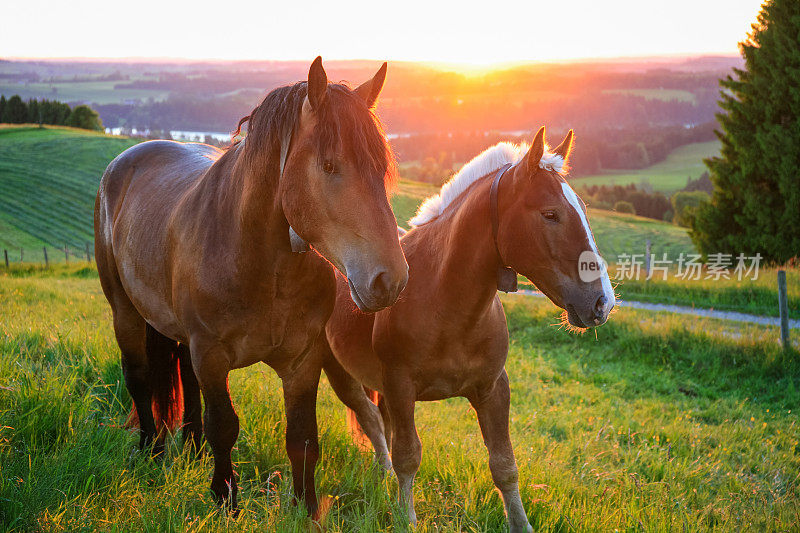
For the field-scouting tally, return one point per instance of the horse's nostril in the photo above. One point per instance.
(380, 285)
(600, 306)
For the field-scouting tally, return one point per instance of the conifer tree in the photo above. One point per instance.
(15, 112)
(755, 205)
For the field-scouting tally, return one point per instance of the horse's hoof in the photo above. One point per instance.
(385, 463)
(225, 498)
(521, 528)
(229, 508)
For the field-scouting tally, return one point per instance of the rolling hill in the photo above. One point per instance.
(48, 181)
(666, 176)
(49, 177)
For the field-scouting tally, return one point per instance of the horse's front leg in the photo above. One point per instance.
(400, 396)
(492, 406)
(220, 422)
(302, 446)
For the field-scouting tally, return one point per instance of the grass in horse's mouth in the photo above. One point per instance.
(565, 324)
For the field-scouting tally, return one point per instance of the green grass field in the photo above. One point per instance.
(48, 182)
(667, 176)
(758, 297)
(655, 424)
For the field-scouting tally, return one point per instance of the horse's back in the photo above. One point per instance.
(138, 194)
(154, 165)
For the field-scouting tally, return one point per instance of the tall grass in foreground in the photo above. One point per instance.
(657, 423)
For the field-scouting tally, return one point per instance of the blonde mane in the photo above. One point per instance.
(484, 163)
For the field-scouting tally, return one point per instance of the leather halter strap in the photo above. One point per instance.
(506, 277)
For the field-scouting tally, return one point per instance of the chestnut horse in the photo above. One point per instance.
(195, 257)
(509, 210)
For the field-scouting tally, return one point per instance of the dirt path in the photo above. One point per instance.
(695, 311)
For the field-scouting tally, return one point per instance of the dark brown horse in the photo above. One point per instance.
(446, 336)
(195, 257)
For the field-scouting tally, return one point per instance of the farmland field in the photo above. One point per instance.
(657, 94)
(668, 176)
(97, 92)
(655, 424)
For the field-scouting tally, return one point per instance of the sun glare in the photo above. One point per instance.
(469, 39)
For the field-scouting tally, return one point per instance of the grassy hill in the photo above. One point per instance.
(49, 177)
(667, 176)
(48, 181)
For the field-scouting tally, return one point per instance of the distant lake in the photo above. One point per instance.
(199, 136)
(181, 135)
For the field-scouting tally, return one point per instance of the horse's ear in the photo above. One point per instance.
(317, 84)
(565, 147)
(370, 89)
(535, 153)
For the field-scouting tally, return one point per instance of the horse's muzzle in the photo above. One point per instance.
(380, 290)
(593, 315)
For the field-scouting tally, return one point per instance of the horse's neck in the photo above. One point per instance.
(245, 194)
(467, 256)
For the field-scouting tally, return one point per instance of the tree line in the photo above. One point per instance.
(635, 147)
(679, 208)
(17, 111)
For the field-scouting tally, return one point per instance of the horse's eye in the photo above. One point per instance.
(550, 215)
(328, 167)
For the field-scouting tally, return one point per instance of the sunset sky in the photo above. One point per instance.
(418, 30)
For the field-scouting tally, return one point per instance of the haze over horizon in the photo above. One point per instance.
(420, 32)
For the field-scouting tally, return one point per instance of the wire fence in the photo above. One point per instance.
(47, 255)
(51, 255)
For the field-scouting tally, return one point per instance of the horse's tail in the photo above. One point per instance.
(165, 381)
(355, 429)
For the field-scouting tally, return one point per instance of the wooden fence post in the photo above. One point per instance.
(647, 259)
(66, 254)
(5, 253)
(783, 307)
(88, 254)
(46, 260)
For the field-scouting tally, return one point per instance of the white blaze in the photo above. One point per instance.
(572, 198)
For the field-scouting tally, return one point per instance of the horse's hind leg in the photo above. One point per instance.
(130, 330)
(192, 408)
(352, 394)
(492, 407)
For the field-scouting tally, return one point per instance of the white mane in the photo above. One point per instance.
(488, 161)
